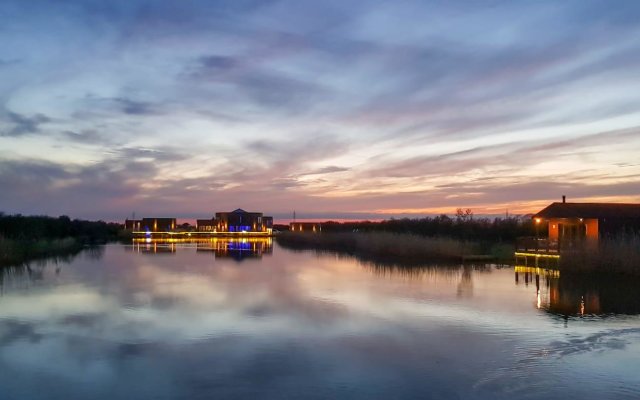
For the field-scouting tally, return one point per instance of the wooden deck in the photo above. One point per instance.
(538, 253)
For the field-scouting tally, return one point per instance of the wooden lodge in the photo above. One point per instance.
(576, 222)
(563, 226)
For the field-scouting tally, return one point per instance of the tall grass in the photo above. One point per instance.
(611, 255)
(383, 247)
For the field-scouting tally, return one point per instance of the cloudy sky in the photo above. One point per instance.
(330, 108)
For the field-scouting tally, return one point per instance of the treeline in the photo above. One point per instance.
(36, 228)
(383, 248)
(463, 226)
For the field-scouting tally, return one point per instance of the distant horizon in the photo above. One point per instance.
(302, 216)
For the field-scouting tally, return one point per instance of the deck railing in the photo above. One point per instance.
(548, 246)
(537, 245)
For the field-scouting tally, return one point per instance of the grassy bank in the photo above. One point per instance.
(620, 255)
(385, 248)
(16, 252)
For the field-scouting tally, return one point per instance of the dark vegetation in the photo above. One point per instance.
(620, 255)
(380, 247)
(463, 226)
(26, 238)
(419, 241)
(461, 238)
(20, 227)
(385, 248)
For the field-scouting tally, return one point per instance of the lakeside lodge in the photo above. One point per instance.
(237, 222)
(579, 222)
(564, 227)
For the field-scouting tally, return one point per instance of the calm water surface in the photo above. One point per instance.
(253, 320)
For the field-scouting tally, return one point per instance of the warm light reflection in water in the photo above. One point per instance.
(222, 247)
(247, 319)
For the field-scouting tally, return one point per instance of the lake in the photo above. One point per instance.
(249, 319)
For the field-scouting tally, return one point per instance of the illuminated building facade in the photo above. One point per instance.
(133, 224)
(242, 221)
(305, 227)
(158, 224)
(237, 221)
(575, 222)
(234, 222)
(206, 225)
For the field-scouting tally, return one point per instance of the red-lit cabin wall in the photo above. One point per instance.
(591, 225)
(592, 228)
(553, 229)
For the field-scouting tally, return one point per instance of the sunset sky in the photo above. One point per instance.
(335, 109)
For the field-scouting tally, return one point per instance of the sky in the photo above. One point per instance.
(334, 109)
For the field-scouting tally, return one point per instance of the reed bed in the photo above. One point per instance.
(383, 247)
(611, 255)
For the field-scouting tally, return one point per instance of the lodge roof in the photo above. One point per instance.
(590, 210)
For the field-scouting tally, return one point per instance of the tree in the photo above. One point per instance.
(464, 216)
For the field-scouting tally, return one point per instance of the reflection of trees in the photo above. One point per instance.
(26, 273)
(21, 275)
(463, 274)
(94, 253)
(465, 287)
(447, 271)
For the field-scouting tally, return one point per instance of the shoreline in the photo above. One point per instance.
(18, 252)
(393, 248)
(617, 257)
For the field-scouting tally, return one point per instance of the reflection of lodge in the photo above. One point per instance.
(573, 226)
(151, 224)
(153, 247)
(237, 248)
(580, 295)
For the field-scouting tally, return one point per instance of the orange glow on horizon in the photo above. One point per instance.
(529, 207)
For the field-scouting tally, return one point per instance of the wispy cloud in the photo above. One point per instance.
(336, 106)
(19, 124)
